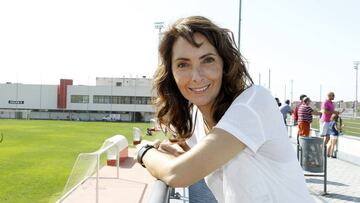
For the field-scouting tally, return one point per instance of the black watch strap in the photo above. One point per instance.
(142, 152)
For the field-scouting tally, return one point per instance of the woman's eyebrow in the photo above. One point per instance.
(201, 57)
(208, 54)
(182, 59)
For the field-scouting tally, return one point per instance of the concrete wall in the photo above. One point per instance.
(349, 149)
(21, 96)
(123, 82)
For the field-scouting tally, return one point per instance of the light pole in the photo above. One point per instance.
(239, 30)
(159, 25)
(259, 78)
(269, 78)
(320, 95)
(356, 67)
(292, 91)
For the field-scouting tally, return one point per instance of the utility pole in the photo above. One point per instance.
(292, 91)
(239, 30)
(259, 78)
(269, 78)
(356, 67)
(320, 98)
(159, 26)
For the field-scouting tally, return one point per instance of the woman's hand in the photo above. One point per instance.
(154, 143)
(171, 148)
(163, 146)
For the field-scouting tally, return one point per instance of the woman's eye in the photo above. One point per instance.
(181, 65)
(209, 60)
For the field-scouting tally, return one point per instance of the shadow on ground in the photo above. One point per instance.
(342, 197)
(320, 181)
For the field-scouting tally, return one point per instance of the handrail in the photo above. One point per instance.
(160, 192)
(117, 141)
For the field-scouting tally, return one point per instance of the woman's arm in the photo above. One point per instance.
(212, 152)
(336, 126)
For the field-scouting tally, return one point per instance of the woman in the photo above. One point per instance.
(233, 131)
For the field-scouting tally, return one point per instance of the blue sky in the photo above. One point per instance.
(312, 42)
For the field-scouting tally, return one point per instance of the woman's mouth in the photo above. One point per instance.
(199, 89)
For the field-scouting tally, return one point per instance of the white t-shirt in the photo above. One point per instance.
(267, 170)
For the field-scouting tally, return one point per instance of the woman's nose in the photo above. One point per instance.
(197, 74)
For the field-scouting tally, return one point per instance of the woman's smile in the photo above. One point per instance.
(199, 90)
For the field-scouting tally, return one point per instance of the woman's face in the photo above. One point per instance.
(197, 71)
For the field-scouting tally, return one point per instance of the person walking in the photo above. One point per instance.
(285, 109)
(206, 96)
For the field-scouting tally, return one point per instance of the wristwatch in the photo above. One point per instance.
(142, 152)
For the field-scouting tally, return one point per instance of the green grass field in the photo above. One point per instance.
(36, 157)
(351, 126)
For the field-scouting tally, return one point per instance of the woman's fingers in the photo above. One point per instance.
(156, 143)
(173, 149)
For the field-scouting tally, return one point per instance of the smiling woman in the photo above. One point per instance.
(197, 71)
(231, 131)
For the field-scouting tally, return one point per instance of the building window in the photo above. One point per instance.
(104, 99)
(119, 84)
(79, 99)
(127, 100)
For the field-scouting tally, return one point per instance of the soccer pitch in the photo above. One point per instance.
(36, 156)
(351, 126)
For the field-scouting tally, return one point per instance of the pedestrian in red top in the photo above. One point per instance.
(296, 109)
(305, 113)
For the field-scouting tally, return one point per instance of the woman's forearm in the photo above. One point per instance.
(159, 164)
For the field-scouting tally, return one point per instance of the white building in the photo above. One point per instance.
(130, 98)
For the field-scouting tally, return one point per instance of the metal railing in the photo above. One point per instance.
(160, 193)
(163, 193)
(117, 142)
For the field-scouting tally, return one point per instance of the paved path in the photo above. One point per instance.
(134, 185)
(343, 183)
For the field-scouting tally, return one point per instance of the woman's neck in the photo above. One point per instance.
(207, 116)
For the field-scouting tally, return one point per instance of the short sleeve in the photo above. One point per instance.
(244, 123)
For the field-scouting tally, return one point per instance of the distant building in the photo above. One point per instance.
(129, 98)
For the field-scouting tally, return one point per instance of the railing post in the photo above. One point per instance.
(298, 147)
(117, 162)
(97, 177)
(325, 169)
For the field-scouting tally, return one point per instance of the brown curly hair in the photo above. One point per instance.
(173, 111)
